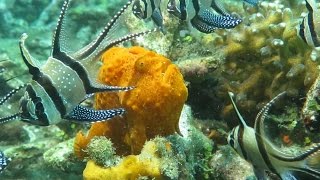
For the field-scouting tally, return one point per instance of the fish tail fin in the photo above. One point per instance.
(312, 161)
(306, 165)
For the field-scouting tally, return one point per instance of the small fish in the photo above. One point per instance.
(3, 161)
(252, 145)
(309, 28)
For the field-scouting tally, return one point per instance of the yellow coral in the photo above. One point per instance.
(153, 107)
(131, 167)
(264, 57)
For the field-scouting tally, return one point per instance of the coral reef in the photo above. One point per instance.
(256, 60)
(171, 157)
(26, 148)
(101, 151)
(311, 108)
(153, 106)
(61, 157)
(130, 167)
(226, 164)
(265, 56)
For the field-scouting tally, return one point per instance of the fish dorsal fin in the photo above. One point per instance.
(259, 127)
(313, 158)
(56, 46)
(242, 121)
(32, 64)
(110, 28)
(124, 39)
(306, 163)
(261, 116)
(311, 5)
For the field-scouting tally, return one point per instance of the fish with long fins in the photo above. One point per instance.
(66, 79)
(309, 29)
(252, 145)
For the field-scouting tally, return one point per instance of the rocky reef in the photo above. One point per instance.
(256, 60)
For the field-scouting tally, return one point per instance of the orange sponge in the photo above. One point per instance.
(153, 107)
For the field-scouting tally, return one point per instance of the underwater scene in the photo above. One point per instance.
(159, 89)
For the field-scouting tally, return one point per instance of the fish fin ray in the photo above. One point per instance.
(241, 119)
(313, 159)
(261, 116)
(83, 114)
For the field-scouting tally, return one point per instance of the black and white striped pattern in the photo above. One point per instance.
(309, 28)
(59, 86)
(204, 15)
(144, 9)
(253, 146)
(3, 161)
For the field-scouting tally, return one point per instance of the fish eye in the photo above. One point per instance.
(31, 107)
(231, 138)
(25, 106)
(231, 142)
(137, 9)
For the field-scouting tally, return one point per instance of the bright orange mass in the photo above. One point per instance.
(153, 107)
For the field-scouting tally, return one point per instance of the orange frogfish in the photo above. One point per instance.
(153, 107)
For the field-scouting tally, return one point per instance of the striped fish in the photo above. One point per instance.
(204, 15)
(144, 9)
(66, 79)
(252, 145)
(309, 28)
(3, 161)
